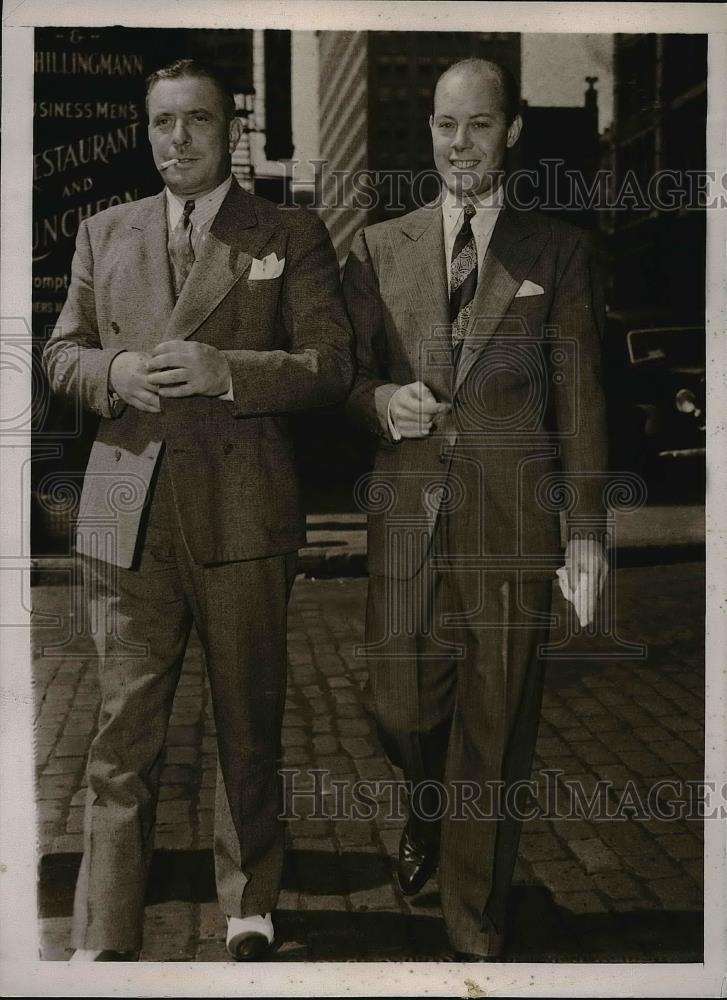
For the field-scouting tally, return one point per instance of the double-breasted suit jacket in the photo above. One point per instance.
(287, 342)
(527, 404)
(191, 516)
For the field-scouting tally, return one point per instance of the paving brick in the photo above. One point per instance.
(616, 775)
(182, 755)
(594, 752)
(682, 846)
(575, 734)
(694, 867)
(541, 846)
(649, 865)
(181, 736)
(563, 876)
(353, 727)
(63, 765)
(617, 885)
(175, 774)
(354, 835)
(677, 893)
(72, 746)
(572, 829)
(177, 837)
(610, 696)
(594, 855)
(580, 902)
(585, 707)
(74, 823)
(326, 745)
(682, 723)
(173, 811)
(357, 746)
(624, 838)
(675, 751)
(294, 737)
(694, 739)
(379, 899)
(603, 723)
(333, 904)
(50, 811)
(56, 786)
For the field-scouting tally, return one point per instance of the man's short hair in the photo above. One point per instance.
(510, 90)
(181, 68)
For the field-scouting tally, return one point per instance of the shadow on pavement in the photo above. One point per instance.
(538, 929)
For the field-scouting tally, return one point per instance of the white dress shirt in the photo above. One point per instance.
(487, 210)
(206, 208)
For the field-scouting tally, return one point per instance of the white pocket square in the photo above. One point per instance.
(268, 267)
(528, 288)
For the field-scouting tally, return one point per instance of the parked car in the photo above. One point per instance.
(656, 397)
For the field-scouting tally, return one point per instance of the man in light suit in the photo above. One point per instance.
(197, 322)
(477, 330)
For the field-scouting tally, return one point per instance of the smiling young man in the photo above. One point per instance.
(465, 314)
(196, 323)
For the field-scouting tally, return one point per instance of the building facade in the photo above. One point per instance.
(657, 146)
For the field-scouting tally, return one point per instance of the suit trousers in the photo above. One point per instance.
(455, 685)
(141, 619)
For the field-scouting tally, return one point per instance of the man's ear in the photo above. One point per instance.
(235, 133)
(513, 131)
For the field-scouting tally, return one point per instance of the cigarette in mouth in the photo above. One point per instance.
(169, 163)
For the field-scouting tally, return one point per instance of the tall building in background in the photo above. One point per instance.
(375, 95)
(557, 142)
(658, 255)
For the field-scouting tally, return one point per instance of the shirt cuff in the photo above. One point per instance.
(229, 395)
(393, 429)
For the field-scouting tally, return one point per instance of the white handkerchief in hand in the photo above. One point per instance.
(528, 288)
(267, 268)
(580, 598)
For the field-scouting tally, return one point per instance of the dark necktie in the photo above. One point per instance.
(181, 253)
(462, 277)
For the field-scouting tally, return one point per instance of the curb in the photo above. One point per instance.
(326, 565)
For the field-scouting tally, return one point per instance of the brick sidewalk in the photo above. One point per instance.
(584, 890)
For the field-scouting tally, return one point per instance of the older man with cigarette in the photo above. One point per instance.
(196, 323)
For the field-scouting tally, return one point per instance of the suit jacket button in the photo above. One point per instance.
(117, 455)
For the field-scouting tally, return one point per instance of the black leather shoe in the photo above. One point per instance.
(416, 865)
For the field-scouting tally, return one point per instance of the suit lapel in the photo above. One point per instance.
(419, 256)
(516, 243)
(150, 287)
(420, 269)
(235, 237)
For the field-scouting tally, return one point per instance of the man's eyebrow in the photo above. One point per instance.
(190, 111)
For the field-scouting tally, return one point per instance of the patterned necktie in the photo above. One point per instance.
(462, 277)
(181, 253)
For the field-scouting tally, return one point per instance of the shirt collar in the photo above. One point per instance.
(206, 206)
(452, 206)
